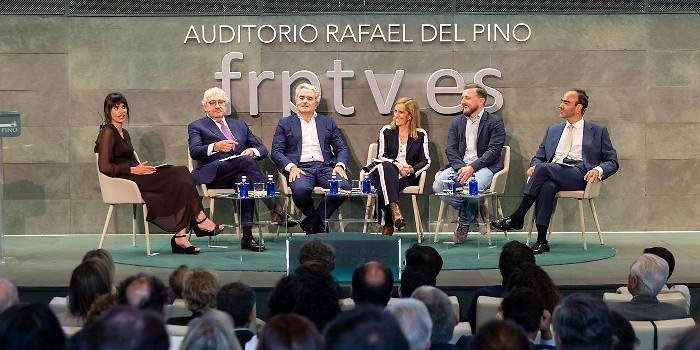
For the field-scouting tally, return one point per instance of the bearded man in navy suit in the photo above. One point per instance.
(214, 137)
(308, 148)
(571, 154)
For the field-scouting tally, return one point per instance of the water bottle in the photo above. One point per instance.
(473, 187)
(243, 188)
(270, 186)
(366, 185)
(334, 185)
(451, 185)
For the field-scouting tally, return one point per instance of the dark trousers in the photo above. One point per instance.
(316, 174)
(385, 178)
(547, 180)
(229, 173)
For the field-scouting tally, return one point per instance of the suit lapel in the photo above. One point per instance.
(587, 139)
(463, 134)
(482, 123)
(296, 129)
(320, 131)
(554, 140)
(211, 125)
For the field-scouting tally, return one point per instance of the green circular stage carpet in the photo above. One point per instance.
(474, 254)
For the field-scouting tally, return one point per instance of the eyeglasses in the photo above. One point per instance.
(215, 102)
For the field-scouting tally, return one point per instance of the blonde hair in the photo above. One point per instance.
(412, 108)
(199, 290)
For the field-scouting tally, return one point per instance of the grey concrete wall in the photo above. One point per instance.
(641, 71)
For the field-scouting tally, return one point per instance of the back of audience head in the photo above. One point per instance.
(500, 335)
(317, 250)
(534, 277)
(89, 280)
(212, 331)
(317, 294)
(523, 307)
(8, 294)
(414, 277)
(689, 340)
(105, 257)
(647, 275)
(624, 337)
(290, 332)
(238, 301)
(127, 328)
(30, 327)
(513, 255)
(414, 320)
(424, 256)
(100, 306)
(283, 298)
(665, 254)
(176, 281)
(441, 313)
(582, 323)
(365, 328)
(143, 291)
(372, 283)
(200, 290)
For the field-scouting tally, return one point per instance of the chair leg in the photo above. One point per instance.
(133, 225)
(340, 221)
(487, 219)
(416, 218)
(595, 218)
(500, 208)
(438, 224)
(235, 220)
(368, 206)
(104, 228)
(583, 223)
(286, 199)
(529, 228)
(147, 232)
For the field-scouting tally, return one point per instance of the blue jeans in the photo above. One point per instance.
(466, 207)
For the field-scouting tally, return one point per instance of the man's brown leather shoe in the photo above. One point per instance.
(387, 230)
(396, 215)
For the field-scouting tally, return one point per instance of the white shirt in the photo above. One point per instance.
(210, 149)
(576, 152)
(471, 133)
(576, 142)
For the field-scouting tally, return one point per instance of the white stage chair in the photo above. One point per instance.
(122, 191)
(590, 193)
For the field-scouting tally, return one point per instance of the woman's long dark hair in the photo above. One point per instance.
(112, 100)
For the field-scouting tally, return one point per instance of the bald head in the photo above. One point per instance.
(372, 283)
(8, 294)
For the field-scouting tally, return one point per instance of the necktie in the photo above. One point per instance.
(567, 141)
(226, 130)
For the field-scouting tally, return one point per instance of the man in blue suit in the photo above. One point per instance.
(214, 137)
(308, 148)
(474, 144)
(571, 154)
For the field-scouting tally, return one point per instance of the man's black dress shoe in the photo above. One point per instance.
(250, 243)
(507, 224)
(540, 247)
(308, 225)
(278, 218)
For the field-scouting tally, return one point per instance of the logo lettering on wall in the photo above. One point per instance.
(358, 33)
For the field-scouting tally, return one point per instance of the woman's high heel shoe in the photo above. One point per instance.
(205, 233)
(178, 249)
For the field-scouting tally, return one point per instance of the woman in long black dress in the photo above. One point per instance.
(402, 157)
(171, 197)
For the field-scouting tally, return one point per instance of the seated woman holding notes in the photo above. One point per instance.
(171, 197)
